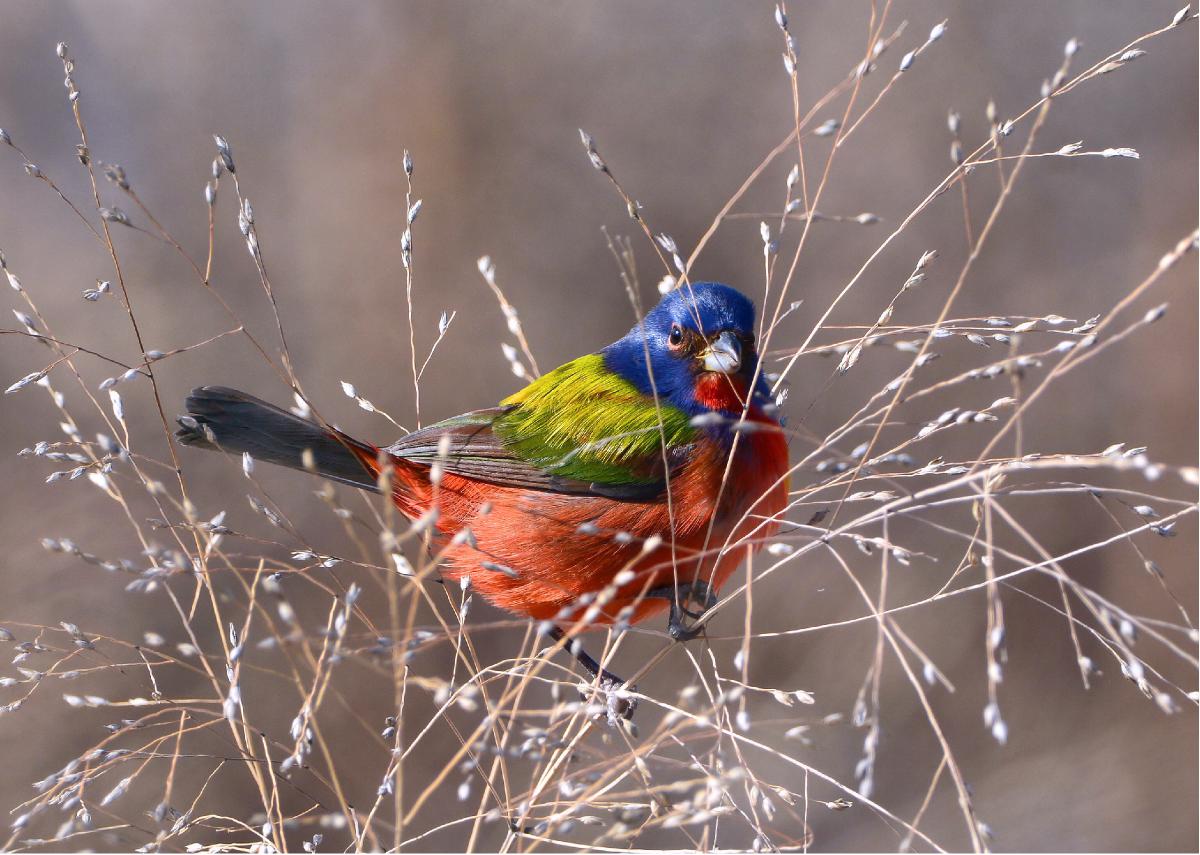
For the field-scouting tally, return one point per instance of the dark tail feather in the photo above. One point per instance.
(227, 420)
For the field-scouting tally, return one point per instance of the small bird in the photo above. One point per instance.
(621, 484)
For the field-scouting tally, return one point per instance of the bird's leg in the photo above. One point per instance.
(608, 681)
(695, 591)
(606, 677)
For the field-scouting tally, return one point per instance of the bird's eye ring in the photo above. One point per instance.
(676, 337)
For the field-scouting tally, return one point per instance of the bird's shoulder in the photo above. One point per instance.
(580, 428)
(591, 423)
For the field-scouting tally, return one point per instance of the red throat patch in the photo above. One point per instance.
(721, 392)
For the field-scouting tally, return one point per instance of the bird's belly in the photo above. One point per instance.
(587, 558)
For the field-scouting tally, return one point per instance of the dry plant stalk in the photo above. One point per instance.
(720, 765)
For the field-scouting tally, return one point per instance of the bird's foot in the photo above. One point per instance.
(613, 692)
(616, 697)
(697, 591)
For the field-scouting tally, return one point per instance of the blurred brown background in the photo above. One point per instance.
(318, 102)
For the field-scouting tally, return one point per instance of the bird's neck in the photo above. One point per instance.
(722, 393)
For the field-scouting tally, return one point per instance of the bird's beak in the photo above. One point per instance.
(724, 354)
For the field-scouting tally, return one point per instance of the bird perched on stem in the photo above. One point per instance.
(621, 484)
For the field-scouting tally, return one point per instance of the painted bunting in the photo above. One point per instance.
(620, 484)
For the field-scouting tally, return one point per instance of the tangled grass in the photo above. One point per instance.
(276, 640)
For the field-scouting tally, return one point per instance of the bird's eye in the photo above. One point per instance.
(676, 337)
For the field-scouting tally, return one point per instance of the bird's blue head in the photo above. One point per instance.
(701, 348)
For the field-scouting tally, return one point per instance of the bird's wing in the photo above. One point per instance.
(579, 429)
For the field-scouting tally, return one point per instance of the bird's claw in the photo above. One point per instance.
(619, 706)
(696, 591)
(679, 632)
(615, 694)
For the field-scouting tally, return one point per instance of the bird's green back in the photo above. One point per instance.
(582, 421)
